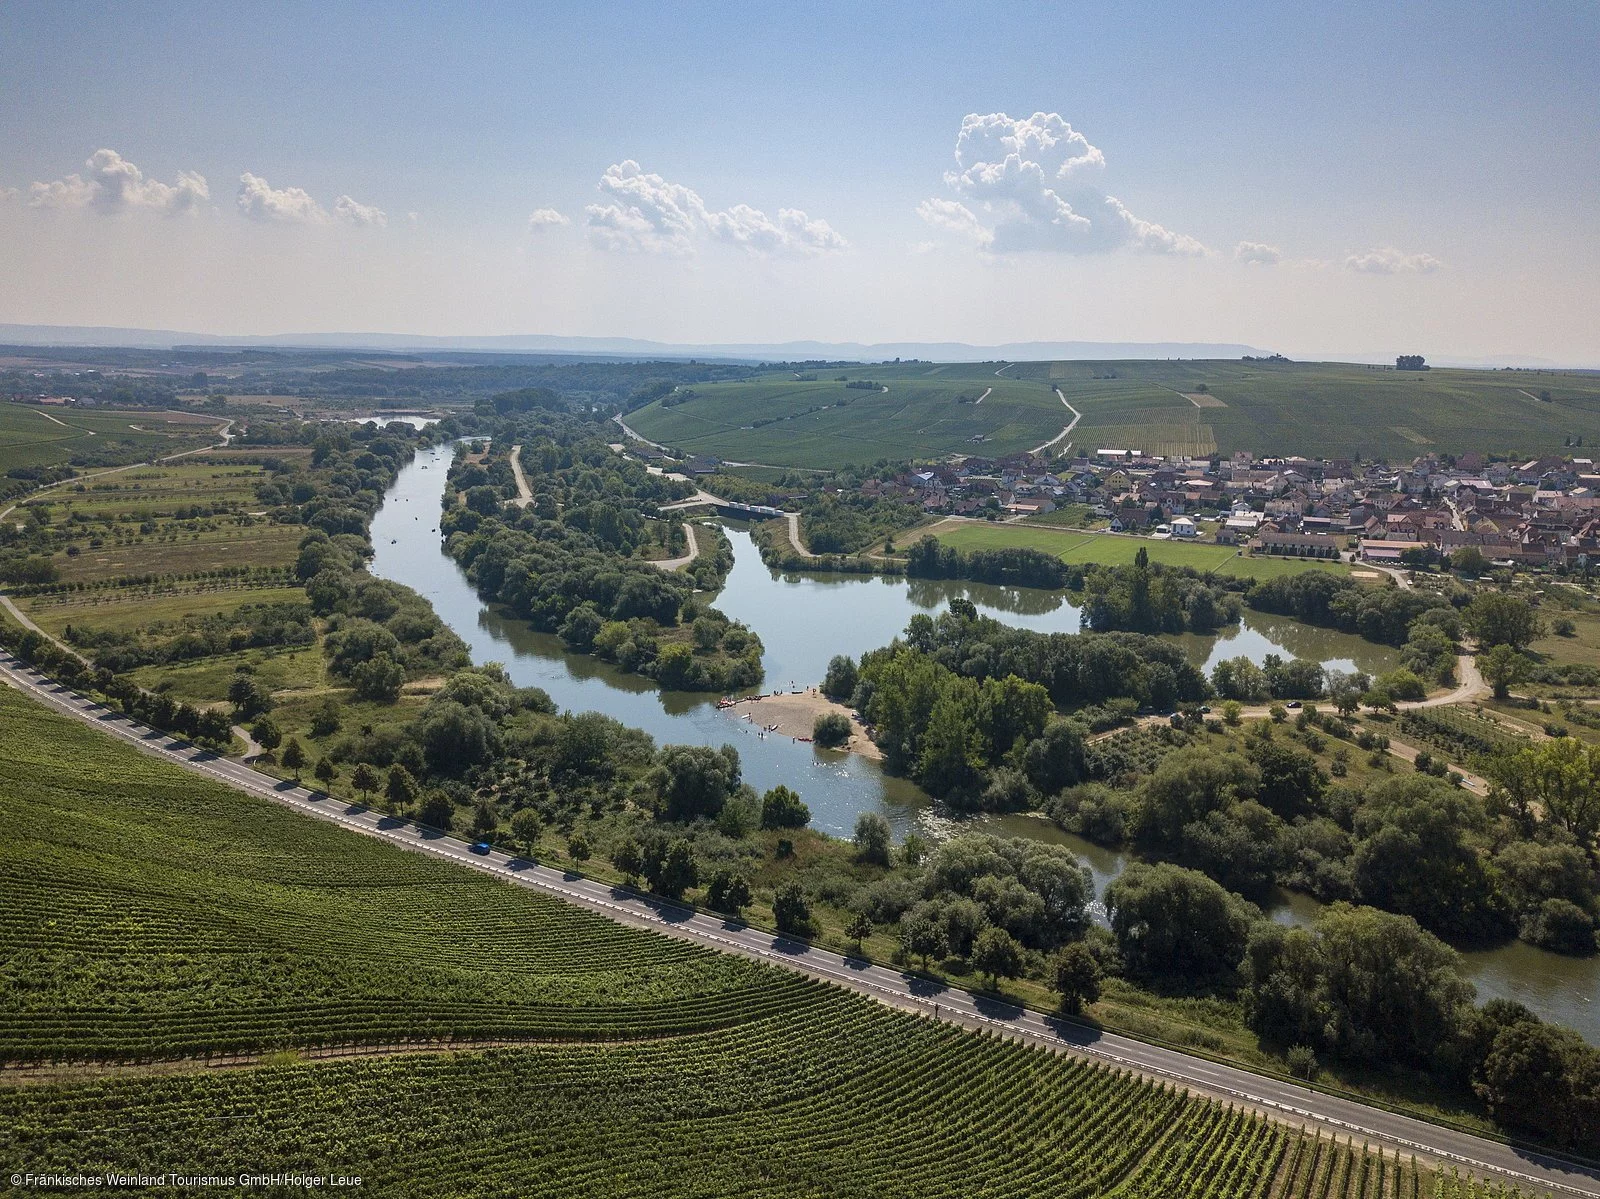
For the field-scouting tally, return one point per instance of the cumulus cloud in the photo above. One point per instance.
(1255, 253)
(260, 201)
(365, 215)
(648, 214)
(541, 219)
(113, 185)
(1025, 184)
(1386, 260)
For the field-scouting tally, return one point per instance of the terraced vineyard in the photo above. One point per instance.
(145, 914)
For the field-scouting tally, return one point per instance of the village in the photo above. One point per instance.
(1539, 514)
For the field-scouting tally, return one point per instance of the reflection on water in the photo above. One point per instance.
(1558, 988)
(805, 619)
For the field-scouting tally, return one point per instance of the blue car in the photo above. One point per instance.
(481, 847)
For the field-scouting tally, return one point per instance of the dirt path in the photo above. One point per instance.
(1076, 417)
(979, 400)
(524, 492)
(792, 519)
(26, 622)
(694, 551)
(1003, 369)
(63, 423)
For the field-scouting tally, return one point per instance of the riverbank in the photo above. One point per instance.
(794, 714)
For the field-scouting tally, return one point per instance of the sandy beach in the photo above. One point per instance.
(795, 716)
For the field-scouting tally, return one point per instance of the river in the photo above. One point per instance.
(803, 620)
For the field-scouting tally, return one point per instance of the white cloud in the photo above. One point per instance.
(647, 214)
(1023, 185)
(1255, 253)
(116, 185)
(259, 201)
(541, 219)
(365, 215)
(1386, 260)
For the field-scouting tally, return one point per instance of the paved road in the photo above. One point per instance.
(1282, 1100)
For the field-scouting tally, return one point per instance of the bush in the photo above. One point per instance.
(831, 729)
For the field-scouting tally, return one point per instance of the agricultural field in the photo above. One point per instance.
(1322, 409)
(779, 420)
(35, 435)
(158, 919)
(158, 915)
(1115, 550)
(1316, 409)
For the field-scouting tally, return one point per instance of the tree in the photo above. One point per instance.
(728, 892)
(1534, 1077)
(526, 825)
(628, 859)
(840, 681)
(859, 929)
(1075, 975)
(325, 771)
(1560, 776)
(1502, 668)
(437, 811)
(873, 838)
(791, 910)
(678, 870)
(697, 780)
(266, 733)
(782, 808)
(921, 936)
(294, 758)
(247, 696)
(378, 679)
(1176, 922)
(400, 788)
(1495, 618)
(831, 729)
(364, 779)
(997, 954)
(578, 848)
(1469, 560)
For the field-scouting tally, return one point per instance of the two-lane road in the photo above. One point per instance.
(1283, 1100)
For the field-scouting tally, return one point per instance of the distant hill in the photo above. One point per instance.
(539, 343)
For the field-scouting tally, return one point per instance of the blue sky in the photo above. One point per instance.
(1361, 178)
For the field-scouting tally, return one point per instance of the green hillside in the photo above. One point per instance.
(779, 420)
(1316, 409)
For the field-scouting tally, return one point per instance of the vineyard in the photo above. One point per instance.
(1461, 733)
(147, 914)
(842, 1098)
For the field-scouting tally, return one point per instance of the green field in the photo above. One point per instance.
(1322, 409)
(151, 916)
(1315, 409)
(1108, 549)
(780, 421)
(32, 435)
